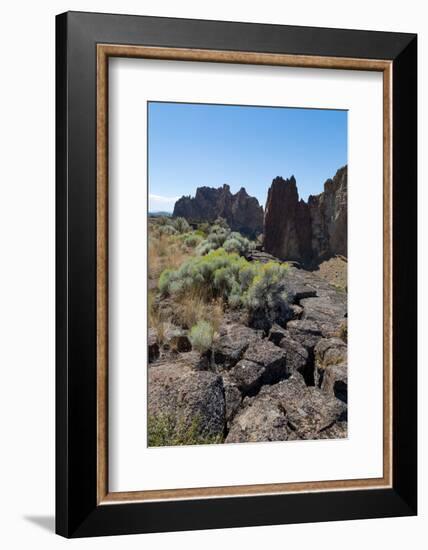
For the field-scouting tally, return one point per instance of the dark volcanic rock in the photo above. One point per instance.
(153, 346)
(331, 369)
(287, 223)
(323, 305)
(262, 363)
(176, 339)
(307, 232)
(242, 212)
(330, 351)
(232, 396)
(175, 390)
(335, 381)
(232, 343)
(306, 333)
(296, 355)
(288, 410)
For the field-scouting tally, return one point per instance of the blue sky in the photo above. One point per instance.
(192, 145)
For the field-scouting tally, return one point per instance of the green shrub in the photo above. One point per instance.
(164, 281)
(235, 242)
(181, 225)
(258, 287)
(167, 230)
(165, 430)
(266, 299)
(163, 220)
(204, 228)
(198, 275)
(220, 236)
(192, 240)
(201, 336)
(221, 222)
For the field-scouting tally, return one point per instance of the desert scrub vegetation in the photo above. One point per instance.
(202, 336)
(231, 278)
(156, 319)
(166, 430)
(191, 240)
(220, 236)
(167, 247)
(266, 299)
(192, 308)
(178, 225)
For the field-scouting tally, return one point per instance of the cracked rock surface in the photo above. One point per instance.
(288, 382)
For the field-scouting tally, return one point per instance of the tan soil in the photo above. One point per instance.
(335, 271)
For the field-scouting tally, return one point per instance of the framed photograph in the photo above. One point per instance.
(236, 274)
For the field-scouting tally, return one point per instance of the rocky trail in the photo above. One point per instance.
(279, 383)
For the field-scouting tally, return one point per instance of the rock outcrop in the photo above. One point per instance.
(179, 392)
(310, 232)
(242, 212)
(286, 383)
(285, 411)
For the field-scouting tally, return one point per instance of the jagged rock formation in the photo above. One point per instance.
(242, 212)
(307, 232)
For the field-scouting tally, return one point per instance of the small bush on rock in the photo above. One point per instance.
(266, 299)
(201, 336)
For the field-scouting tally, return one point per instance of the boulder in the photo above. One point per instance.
(247, 376)
(306, 333)
(338, 430)
(334, 381)
(176, 339)
(297, 356)
(232, 396)
(177, 391)
(287, 410)
(232, 342)
(276, 334)
(260, 420)
(262, 363)
(331, 370)
(330, 351)
(327, 311)
(153, 345)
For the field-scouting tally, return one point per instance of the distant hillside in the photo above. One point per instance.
(160, 214)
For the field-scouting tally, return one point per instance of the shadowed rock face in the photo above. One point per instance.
(287, 223)
(242, 212)
(307, 232)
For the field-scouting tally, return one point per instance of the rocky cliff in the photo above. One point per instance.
(307, 232)
(242, 212)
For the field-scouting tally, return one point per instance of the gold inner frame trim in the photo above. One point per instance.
(104, 51)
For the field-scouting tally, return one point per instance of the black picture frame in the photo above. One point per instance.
(77, 511)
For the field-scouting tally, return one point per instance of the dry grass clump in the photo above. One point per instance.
(192, 308)
(157, 319)
(165, 252)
